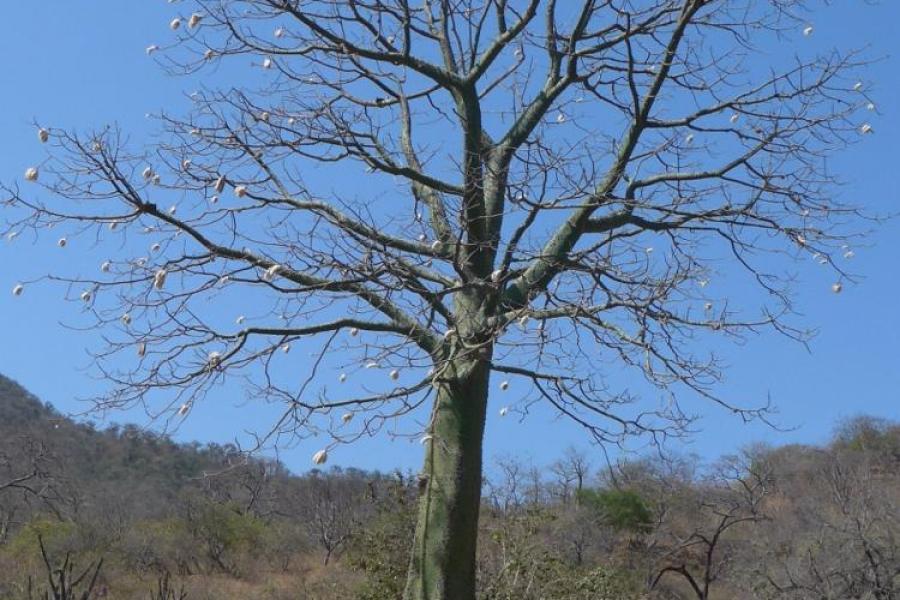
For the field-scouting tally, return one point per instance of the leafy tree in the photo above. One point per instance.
(546, 183)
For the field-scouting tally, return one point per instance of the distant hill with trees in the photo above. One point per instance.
(177, 521)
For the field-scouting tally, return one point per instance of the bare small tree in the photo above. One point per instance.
(549, 188)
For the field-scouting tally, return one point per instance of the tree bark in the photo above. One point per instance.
(442, 565)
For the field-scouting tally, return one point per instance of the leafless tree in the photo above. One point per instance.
(550, 190)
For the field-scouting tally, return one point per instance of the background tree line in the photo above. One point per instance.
(198, 521)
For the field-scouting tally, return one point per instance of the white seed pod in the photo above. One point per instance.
(496, 275)
(43, 135)
(849, 254)
(223, 280)
(518, 53)
(504, 411)
(214, 199)
(320, 457)
(560, 118)
(240, 191)
(703, 283)
(175, 23)
(209, 54)
(395, 374)
(147, 173)
(857, 86)
(18, 289)
(866, 128)
(142, 349)
(220, 184)
(240, 320)
(523, 321)
(186, 164)
(689, 139)
(97, 147)
(31, 174)
(371, 365)
(151, 49)
(155, 247)
(870, 106)
(159, 279)
(195, 20)
(423, 237)
(436, 245)
(286, 348)
(354, 331)
(708, 306)
(267, 63)
(61, 242)
(264, 116)
(214, 359)
(504, 385)
(734, 118)
(837, 288)
(449, 333)
(648, 249)
(347, 417)
(126, 319)
(342, 377)
(86, 296)
(808, 30)
(157, 180)
(12, 235)
(141, 261)
(279, 32)
(105, 266)
(271, 273)
(426, 438)
(183, 409)
(113, 225)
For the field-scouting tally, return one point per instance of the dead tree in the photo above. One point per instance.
(64, 583)
(546, 185)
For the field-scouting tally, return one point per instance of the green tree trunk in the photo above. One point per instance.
(442, 565)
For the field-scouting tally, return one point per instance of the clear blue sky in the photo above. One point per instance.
(82, 64)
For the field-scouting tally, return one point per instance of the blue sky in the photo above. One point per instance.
(81, 65)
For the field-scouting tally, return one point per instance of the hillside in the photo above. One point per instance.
(187, 521)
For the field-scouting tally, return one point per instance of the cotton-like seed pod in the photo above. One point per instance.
(195, 20)
(105, 266)
(347, 417)
(141, 261)
(342, 377)
(807, 31)
(240, 191)
(504, 411)
(43, 135)
(426, 438)
(837, 288)
(85, 296)
(157, 180)
(172, 209)
(858, 86)
(186, 164)
(147, 173)
(18, 289)
(126, 319)
(220, 184)
(175, 23)
(209, 54)
(866, 128)
(518, 53)
(279, 32)
(291, 120)
(159, 279)
(155, 247)
(183, 409)
(689, 139)
(648, 249)
(31, 174)
(97, 147)
(112, 225)
(395, 374)
(61, 242)
(870, 106)
(264, 116)
(12, 235)
(560, 118)
(496, 275)
(320, 457)
(142, 349)
(436, 245)
(371, 365)
(504, 385)
(734, 118)
(214, 200)
(449, 333)
(214, 359)
(271, 273)
(240, 319)
(423, 237)
(354, 331)
(523, 321)
(708, 306)
(286, 348)
(267, 63)
(849, 254)
(151, 49)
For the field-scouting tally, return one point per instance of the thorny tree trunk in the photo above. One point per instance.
(443, 557)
